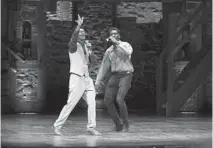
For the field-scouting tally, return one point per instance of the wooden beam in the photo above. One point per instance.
(191, 65)
(16, 55)
(173, 18)
(181, 95)
(41, 34)
(160, 99)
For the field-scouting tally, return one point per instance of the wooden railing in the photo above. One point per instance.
(17, 56)
(175, 99)
(14, 56)
(166, 96)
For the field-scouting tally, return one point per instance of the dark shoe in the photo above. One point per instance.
(93, 132)
(118, 128)
(126, 127)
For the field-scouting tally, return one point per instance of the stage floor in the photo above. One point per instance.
(145, 131)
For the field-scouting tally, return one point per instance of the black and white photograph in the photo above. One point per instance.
(106, 74)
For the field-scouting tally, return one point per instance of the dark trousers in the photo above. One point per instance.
(116, 89)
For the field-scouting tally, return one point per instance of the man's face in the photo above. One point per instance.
(82, 34)
(115, 34)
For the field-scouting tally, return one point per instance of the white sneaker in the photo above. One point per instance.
(93, 132)
(57, 131)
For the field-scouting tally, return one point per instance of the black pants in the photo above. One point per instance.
(116, 89)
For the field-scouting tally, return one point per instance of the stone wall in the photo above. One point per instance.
(27, 98)
(27, 12)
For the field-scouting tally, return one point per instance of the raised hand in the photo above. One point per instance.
(80, 20)
(113, 40)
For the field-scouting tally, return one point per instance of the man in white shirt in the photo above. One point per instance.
(80, 83)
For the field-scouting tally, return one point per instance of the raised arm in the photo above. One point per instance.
(122, 46)
(73, 40)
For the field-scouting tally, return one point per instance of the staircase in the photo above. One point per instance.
(173, 90)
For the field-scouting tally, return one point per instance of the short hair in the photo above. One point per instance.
(114, 28)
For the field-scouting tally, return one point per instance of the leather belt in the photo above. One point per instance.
(75, 74)
(122, 72)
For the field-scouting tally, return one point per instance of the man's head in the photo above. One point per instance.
(82, 34)
(115, 32)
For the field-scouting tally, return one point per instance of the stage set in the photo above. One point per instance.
(171, 86)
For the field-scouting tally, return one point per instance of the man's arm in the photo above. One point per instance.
(124, 47)
(73, 41)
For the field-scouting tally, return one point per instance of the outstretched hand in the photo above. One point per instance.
(80, 20)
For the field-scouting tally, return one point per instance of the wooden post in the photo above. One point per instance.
(161, 74)
(41, 53)
(173, 18)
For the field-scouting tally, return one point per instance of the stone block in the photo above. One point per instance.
(145, 12)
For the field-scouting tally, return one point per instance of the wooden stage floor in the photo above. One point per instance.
(145, 132)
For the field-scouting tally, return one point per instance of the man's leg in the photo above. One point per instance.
(109, 98)
(89, 97)
(124, 85)
(76, 89)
